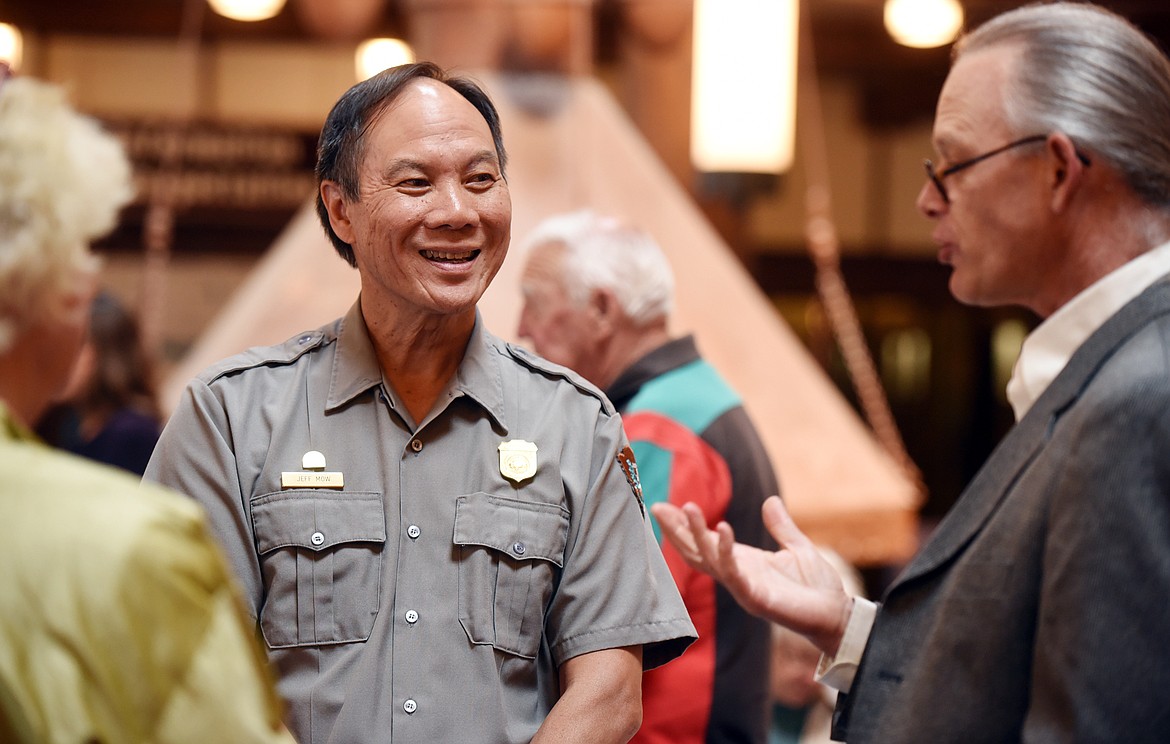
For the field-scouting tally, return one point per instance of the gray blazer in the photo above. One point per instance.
(1039, 611)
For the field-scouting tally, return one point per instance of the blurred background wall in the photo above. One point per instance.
(221, 118)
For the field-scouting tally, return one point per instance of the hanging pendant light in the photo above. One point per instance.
(339, 20)
(743, 100)
(11, 46)
(247, 10)
(923, 24)
(375, 55)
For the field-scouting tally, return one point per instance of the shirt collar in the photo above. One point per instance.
(356, 369)
(1047, 349)
(355, 366)
(479, 376)
(671, 355)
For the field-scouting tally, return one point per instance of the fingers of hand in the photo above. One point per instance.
(696, 522)
(729, 570)
(676, 530)
(780, 525)
(726, 540)
(669, 517)
(705, 539)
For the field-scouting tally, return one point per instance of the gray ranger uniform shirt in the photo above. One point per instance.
(429, 598)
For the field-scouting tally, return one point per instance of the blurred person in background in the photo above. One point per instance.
(118, 620)
(597, 299)
(108, 411)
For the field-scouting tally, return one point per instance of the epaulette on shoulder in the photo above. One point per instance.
(540, 364)
(267, 356)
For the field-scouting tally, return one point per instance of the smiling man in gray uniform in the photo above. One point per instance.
(441, 536)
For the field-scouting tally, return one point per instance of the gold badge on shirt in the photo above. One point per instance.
(313, 474)
(517, 459)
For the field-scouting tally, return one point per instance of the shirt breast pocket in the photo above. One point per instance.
(509, 554)
(321, 559)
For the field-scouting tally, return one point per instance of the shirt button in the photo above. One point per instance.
(410, 706)
(317, 538)
(411, 617)
(413, 531)
(416, 445)
(305, 339)
(518, 548)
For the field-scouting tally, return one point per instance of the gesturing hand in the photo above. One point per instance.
(793, 586)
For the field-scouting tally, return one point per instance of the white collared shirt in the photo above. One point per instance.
(1047, 349)
(1044, 354)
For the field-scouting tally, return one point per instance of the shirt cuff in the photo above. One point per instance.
(837, 671)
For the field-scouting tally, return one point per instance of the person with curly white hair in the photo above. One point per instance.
(118, 619)
(62, 182)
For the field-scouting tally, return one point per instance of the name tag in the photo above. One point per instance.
(311, 480)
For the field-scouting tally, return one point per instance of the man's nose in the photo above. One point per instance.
(453, 207)
(929, 201)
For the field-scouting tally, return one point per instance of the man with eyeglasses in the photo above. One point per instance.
(1037, 610)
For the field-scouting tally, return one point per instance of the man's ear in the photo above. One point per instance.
(605, 309)
(1066, 170)
(338, 208)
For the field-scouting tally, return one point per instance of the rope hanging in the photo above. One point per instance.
(825, 251)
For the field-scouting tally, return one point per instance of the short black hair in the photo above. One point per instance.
(339, 150)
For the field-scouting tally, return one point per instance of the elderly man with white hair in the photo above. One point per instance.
(597, 299)
(118, 621)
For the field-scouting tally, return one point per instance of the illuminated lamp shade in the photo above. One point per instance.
(923, 24)
(247, 10)
(743, 96)
(11, 45)
(375, 55)
(338, 20)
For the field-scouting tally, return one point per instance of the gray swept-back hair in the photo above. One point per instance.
(1094, 76)
(601, 252)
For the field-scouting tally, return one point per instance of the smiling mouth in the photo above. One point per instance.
(450, 256)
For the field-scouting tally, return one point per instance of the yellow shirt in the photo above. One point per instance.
(118, 622)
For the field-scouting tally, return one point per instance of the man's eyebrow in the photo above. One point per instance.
(398, 165)
(951, 139)
(484, 156)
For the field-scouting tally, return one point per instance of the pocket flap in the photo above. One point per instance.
(524, 530)
(317, 520)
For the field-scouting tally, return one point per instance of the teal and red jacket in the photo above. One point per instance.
(693, 441)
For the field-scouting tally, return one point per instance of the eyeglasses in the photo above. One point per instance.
(936, 177)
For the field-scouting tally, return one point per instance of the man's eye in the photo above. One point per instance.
(482, 179)
(413, 183)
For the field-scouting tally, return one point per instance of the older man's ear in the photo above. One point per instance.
(605, 311)
(334, 199)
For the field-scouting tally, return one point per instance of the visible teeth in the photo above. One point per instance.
(438, 256)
